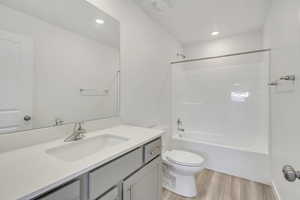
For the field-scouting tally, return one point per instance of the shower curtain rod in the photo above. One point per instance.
(222, 56)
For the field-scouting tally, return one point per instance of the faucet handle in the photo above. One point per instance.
(77, 126)
(81, 123)
(59, 122)
(80, 126)
(179, 122)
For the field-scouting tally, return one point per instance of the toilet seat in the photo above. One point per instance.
(184, 158)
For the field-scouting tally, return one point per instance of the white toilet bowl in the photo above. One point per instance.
(179, 172)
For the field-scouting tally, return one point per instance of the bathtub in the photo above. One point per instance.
(247, 158)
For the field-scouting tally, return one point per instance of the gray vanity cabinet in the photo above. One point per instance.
(144, 184)
(105, 177)
(133, 176)
(68, 192)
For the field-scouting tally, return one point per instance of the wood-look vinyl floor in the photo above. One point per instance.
(217, 186)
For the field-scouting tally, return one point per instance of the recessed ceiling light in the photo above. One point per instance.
(99, 21)
(215, 33)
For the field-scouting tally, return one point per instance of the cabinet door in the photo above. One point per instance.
(111, 195)
(69, 192)
(145, 184)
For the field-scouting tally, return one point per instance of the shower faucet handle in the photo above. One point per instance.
(179, 125)
(179, 122)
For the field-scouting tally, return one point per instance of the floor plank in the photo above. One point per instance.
(217, 186)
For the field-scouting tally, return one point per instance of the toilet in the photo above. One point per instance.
(180, 169)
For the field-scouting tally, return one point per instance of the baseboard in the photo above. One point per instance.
(275, 191)
(240, 175)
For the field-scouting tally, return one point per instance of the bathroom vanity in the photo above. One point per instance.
(129, 168)
(133, 176)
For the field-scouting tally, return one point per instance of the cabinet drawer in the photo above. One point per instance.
(102, 179)
(151, 150)
(68, 192)
(111, 195)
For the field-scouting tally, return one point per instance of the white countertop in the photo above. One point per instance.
(28, 172)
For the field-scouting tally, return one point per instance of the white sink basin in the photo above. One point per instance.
(77, 150)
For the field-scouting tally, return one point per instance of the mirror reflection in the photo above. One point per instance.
(56, 67)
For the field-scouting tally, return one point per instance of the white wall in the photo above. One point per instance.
(282, 34)
(146, 50)
(64, 63)
(220, 46)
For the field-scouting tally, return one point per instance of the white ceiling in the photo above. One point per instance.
(194, 20)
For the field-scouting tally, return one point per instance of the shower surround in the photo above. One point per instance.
(223, 104)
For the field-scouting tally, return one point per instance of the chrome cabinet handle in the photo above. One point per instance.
(155, 151)
(130, 192)
(290, 174)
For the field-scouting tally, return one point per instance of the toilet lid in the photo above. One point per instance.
(185, 158)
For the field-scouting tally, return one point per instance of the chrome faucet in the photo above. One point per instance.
(179, 125)
(78, 132)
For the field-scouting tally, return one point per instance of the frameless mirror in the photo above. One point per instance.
(59, 63)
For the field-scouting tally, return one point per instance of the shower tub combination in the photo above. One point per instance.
(222, 104)
(241, 161)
